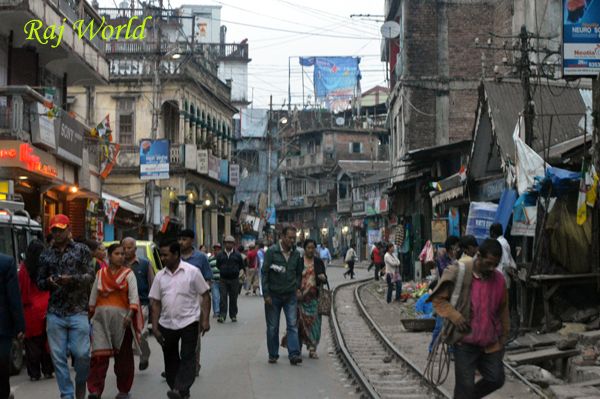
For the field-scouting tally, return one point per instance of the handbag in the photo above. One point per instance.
(324, 302)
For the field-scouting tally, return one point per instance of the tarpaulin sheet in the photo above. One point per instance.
(254, 122)
(505, 207)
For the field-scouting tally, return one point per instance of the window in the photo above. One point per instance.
(355, 148)
(313, 146)
(296, 188)
(125, 118)
(248, 160)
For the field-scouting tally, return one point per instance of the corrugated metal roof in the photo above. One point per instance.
(565, 104)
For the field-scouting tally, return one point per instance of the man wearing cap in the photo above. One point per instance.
(214, 288)
(229, 263)
(66, 271)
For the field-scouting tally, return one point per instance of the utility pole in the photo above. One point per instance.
(528, 109)
(596, 163)
(269, 151)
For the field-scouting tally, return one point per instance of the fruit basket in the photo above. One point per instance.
(418, 325)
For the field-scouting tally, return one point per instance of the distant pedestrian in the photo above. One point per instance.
(230, 263)
(468, 247)
(12, 323)
(35, 306)
(215, 289)
(195, 258)
(350, 259)
(260, 255)
(282, 275)
(507, 265)
(377, 259)
(144, 275)
(252, 270)
(309, 319)
(479, 320)
(178, 316)
(392, 274)
(66, 271)
(325, 255)
(98, 252)
(117, 324)
(202, 248)
(300, 248)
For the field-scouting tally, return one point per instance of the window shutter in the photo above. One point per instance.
(350, 148)
(361, 148)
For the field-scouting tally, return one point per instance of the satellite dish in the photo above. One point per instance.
(390, 29)
(339, 121)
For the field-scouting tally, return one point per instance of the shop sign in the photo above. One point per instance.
(202, 162)
(224, 171)
(490, 191)
(383, 205)
(214, 167)
(42, 129)
(70, 140)
(296, 201)
(358, 207)
(581, 37)
(23, 155)
(234, 175)
(374, 236)
(154, 159)
(191, 156)
(439, 231)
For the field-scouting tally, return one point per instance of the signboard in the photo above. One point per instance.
(489, 191)
(70, 140)
(42, 129)
(525, 227)
(439, 231)
(481, 217)
(358, 207)
(374, 236)
(581, 38)
(154, 159)
(22, 155)
(214, 167)
(202, 162)
(224, 172)
(191, 156)
(234, 175)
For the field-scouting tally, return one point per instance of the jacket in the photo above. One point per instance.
(319, 269)
(230, 266)
(35, 304)
(440, 297)
(282, 282)
(12, 320)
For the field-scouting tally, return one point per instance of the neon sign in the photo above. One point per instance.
(10, 153)
(33, 163)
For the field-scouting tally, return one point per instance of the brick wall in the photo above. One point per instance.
(421, 38)
(420, 128)
(463, 107)
(342, 142)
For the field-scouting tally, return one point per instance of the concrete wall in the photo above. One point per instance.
(238, 73)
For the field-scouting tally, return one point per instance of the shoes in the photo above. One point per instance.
(295, 360)
(32, 379)
(234, 319)
(48, 376)
(164, 375)
(221, 319)
(272, 360)
(313, 355)
(143, 365)
(174, 395)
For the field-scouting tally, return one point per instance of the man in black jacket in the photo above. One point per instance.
(11, 319)
(229, 263)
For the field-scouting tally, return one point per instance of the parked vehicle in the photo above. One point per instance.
(147, 250)
(17, 230)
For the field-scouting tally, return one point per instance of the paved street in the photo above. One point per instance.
(234, 365)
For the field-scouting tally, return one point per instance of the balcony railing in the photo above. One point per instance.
(307, 160)
(228, 51)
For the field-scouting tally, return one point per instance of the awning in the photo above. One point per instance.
(446, 196)
(128, 206)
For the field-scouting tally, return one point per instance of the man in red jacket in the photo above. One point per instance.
(377, 258)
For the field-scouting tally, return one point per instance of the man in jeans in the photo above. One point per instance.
(282, 274)
(229, 263)
(144, 275)
(479, 320)
(180, 300)
(66, 271)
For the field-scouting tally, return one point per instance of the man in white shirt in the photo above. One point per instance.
(176, 311)
(507, 264)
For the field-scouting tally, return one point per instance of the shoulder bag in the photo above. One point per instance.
(324, 301)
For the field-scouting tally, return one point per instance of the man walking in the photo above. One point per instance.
(507, 265)
(325, 255)
(229, 263)
(479, 320)
(282, 274)
(350, 259)
(180, 299)
(252, 273)
(12, 322)
(66, 271)
(144, 274)
(195, 258)
(215, 289)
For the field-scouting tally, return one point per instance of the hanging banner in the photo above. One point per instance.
(202, 162)
(154, 159)
(214, 167)
(224, 171)
(481, 217)
(581, 37)
(234, 175)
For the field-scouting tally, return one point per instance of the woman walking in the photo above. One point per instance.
(350, 259)
(116, 324)
(392, 273)
(35, 305)
(309, 319)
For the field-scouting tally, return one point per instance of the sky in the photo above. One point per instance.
(320, 28)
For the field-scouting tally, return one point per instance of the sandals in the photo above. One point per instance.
(313, 355)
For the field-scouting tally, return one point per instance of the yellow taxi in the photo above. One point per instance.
(147, 250)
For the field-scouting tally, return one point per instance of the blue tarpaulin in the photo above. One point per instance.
(561, 180)
(505, 207)
(334, 77)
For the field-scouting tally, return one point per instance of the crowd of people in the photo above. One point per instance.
(79, 304)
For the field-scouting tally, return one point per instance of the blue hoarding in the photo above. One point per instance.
(481, 217)
(335, 78)
(224, 171)
(581, 37)
(154, 159)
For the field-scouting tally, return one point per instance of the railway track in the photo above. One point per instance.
(379, 369)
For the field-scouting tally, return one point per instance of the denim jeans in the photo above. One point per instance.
(272, 314)
(216, 298)
(390, 288)
(69, 334)
(467, 359)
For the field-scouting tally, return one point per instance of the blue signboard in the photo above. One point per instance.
(224, 172)
(481, 217)
(335, 78)
(154, 159)
(581, 37)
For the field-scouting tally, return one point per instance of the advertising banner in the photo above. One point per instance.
(154, 159)
(70, 139)
(581, 37)
(224, 172)
(202, 162)
(234, 175)
(214, 167)
(481, 217)
(42, 129)
(191, 156)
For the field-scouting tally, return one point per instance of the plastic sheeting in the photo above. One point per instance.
(505, 208)
(529, 163)
(254, 122)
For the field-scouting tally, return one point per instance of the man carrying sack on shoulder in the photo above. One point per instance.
(474, 301)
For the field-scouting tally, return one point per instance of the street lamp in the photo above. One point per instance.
(324, 231)
(345, 230)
